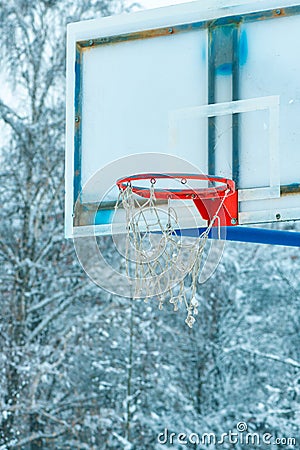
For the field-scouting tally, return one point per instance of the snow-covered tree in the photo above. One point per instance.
(42, 287)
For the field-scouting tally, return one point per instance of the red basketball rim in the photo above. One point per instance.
(227, 185)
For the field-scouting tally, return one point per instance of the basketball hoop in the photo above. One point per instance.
(160, 267)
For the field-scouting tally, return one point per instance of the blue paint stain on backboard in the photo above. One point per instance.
(104, 217)
(226, 67)
(243, 50)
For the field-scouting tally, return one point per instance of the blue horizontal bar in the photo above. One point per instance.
(247, 234)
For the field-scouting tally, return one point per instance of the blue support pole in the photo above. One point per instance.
(255, 235)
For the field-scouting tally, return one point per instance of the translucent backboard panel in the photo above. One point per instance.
(271, 68)
(139, 86)
(210, 87)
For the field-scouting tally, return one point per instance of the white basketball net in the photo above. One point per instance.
(158, 264)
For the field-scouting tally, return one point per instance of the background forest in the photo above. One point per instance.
(82, 369)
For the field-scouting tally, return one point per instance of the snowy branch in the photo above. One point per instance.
(288, 361)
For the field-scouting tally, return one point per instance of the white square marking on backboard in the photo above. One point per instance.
(271, 104)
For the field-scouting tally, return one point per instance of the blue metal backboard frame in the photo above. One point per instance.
(254, 235)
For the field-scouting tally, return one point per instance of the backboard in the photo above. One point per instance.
(209, 86)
